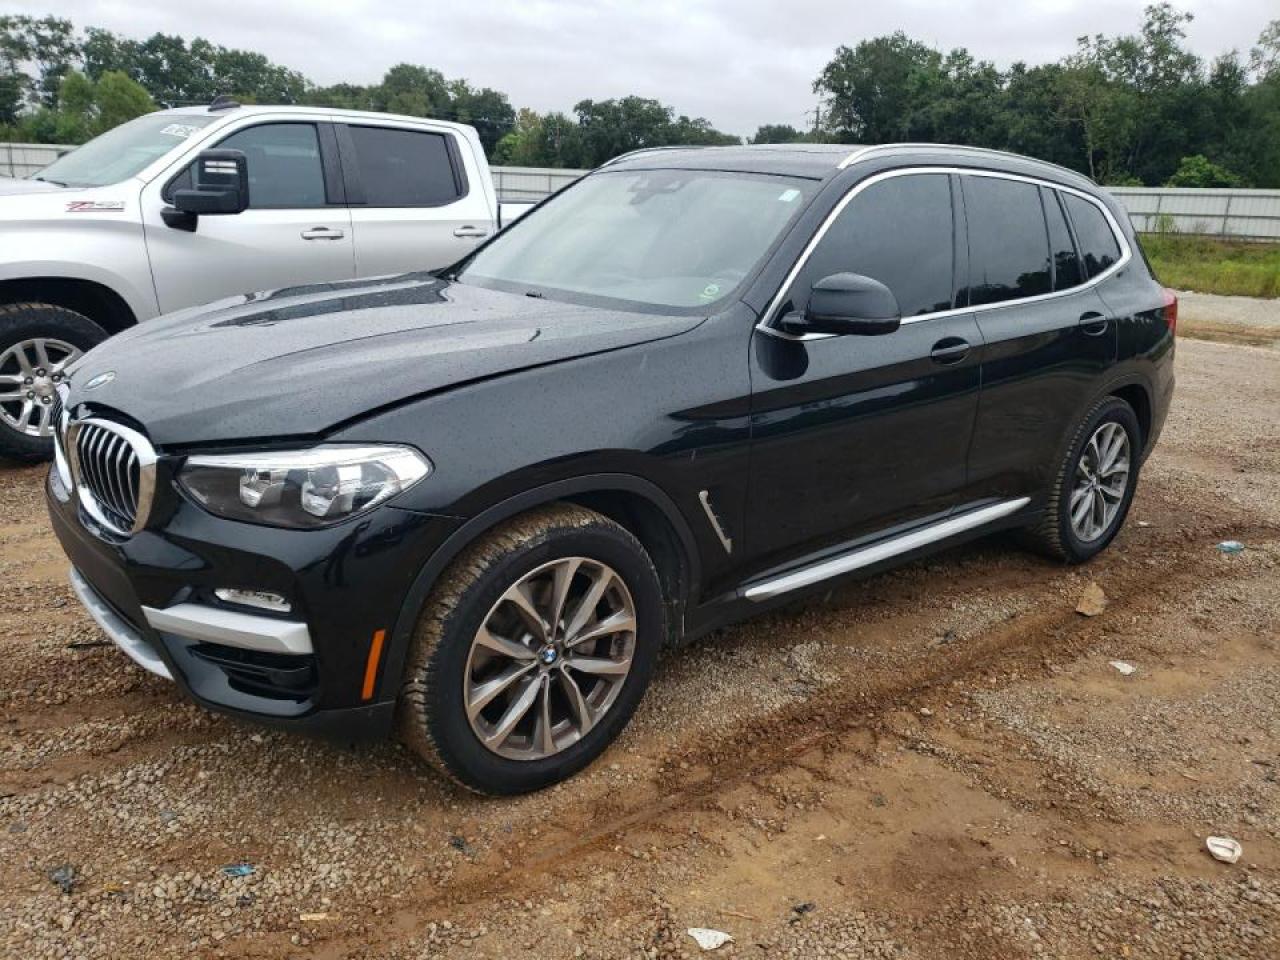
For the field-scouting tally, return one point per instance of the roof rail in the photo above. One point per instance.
(223, 102)
(980, 151)
(632, 153)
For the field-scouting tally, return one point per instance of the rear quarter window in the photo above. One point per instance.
(1098, 244)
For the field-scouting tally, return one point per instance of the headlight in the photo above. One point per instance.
(301, 488)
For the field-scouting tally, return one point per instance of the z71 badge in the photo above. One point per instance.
(95, 206)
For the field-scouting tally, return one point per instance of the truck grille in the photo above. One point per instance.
(114, 470)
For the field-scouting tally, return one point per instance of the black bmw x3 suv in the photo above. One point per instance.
(472, 506)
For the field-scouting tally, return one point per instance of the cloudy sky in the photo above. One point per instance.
(739, 63)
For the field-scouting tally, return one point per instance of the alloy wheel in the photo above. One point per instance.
(550, 658)
(30, 372)
(1102, 477)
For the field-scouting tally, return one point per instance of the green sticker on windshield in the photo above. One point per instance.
(710, 291)
(789, 195)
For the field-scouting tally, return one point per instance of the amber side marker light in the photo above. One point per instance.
(371, 665)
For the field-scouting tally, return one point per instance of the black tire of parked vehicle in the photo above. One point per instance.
(431, 714)
(27, 321)
(1055, 536)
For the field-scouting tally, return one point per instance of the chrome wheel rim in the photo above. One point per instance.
(30, 372)
(1102, 477)
(550, 659)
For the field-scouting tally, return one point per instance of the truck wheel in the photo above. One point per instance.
(1094, 486)
(37, 342)
(533, 651)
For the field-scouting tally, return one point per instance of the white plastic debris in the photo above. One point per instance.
(709, 939)
(1224, 849)
(1125, 669)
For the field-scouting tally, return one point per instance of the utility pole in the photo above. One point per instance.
(817, 118)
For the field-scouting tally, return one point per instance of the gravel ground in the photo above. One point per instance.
(937, 762)
(1249, 311)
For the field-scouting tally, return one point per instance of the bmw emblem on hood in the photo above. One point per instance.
(100, 379)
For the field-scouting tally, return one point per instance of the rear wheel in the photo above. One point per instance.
(38, 342)
(1094, 486)
(533, 651)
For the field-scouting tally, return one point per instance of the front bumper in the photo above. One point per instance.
(318, 668)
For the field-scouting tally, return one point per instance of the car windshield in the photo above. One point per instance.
(651, 239)
(123, 151)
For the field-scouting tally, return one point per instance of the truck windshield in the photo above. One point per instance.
(653, 239)
(124, 150)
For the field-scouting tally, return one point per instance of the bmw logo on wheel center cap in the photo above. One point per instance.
(548, 655)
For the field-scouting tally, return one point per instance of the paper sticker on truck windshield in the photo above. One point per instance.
(182, 130)
(95, 206)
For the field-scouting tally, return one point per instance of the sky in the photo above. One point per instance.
(739, 63)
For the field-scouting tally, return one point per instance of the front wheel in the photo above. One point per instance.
(1094, 485)
(533, 651)
(38, 342)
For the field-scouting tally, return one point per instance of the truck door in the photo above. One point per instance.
(296, 231)
(416, 201)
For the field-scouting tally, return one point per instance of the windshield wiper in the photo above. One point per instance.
(57, 183)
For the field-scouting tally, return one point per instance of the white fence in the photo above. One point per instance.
(531, 183)
(24, 159)
(1242, 214)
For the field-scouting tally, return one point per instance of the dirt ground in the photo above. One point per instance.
(938, 762)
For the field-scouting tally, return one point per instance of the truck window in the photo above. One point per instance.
(285, 169)
(1008, 240)
(897, 231)
(404, 168)
(1097, 241)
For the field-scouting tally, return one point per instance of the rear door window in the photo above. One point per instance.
(405, 168)
(1097, 240)
(1008, 240)
(1066, 262)
(897, 231)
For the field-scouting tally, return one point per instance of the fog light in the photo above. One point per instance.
(254, 598)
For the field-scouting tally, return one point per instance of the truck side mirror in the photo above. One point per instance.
(221, 186)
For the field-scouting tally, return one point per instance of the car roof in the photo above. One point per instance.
(820, 161)
(232, 111)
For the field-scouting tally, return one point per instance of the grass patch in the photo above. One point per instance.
(1208, 265)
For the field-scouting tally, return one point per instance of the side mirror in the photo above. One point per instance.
(847, 303)
(221, 186)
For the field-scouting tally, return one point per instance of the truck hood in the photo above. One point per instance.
(299, 361)
(9, 186)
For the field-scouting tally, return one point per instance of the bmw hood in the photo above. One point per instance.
(299, 361)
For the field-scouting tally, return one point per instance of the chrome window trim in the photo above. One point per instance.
(771, 316)
(147, 458)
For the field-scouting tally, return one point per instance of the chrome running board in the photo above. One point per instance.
(884, 550)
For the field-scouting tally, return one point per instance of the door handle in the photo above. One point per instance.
(322, 233)
(474, 233)
(950, 350)
(1093, 324)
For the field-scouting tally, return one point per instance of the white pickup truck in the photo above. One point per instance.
(182, 207)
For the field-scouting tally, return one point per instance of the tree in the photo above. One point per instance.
(119, 99)
(777, 133)
(1199, 171)
(49, 44)
(874, 92)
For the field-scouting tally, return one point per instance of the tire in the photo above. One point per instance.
(1057, 535)
(26, 323)
(448, 667)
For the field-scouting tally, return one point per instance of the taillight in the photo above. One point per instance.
(1171, 310)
